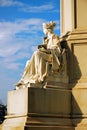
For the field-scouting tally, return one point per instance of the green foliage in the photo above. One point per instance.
(3, 112)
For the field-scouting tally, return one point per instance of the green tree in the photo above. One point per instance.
(3, 112)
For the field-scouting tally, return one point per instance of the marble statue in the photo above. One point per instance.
(49, 52)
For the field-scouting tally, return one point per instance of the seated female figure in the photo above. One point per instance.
(49, 51)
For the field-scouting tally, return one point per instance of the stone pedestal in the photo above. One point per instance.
(47, 108)
(36, 108)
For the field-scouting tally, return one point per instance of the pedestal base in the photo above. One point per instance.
(37, 108)
(46, 109)
(24, 123)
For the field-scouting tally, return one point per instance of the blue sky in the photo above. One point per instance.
(20, 33)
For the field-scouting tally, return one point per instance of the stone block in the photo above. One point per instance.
(36, 100)
(36, 108)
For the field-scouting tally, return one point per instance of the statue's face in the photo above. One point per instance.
(45, 31)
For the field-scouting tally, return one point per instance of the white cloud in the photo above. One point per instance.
(11, 28)
(48, 7)
(10, 3)
(41, 8)
(13, 47)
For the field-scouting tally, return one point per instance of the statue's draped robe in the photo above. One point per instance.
(36, 68)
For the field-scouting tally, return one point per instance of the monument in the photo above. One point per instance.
(56, 98)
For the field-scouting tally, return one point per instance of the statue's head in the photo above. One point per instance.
(48, 27)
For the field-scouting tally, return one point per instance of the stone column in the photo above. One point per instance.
(74, 19)
(73, 15)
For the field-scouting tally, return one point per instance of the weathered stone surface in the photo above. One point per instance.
(39, 101)
(35, 107)
(49, 108)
